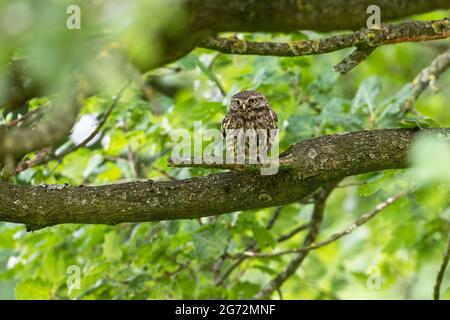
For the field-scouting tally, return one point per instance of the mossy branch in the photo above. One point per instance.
(409, 31)
(315, 162)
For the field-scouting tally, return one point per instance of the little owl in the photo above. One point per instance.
(250, 112)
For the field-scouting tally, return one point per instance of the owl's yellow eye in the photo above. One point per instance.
(252, 101)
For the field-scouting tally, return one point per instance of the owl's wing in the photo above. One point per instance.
(273, 123)
(225, 124)
(274, 117)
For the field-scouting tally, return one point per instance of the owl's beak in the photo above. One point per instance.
(244, 106)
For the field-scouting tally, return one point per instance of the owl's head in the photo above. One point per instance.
(247, 100)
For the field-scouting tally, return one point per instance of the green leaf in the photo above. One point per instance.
(111, 172)
(408, 123)
(173, 227)
(376, 183)
(112, 246)
(394, 105)
(244, 289)
(429, 123)
(446, 294)
(366, 95)
(263, 237)
(210, 242)
(188, 62)
(33, 290)
(404, 237)
(117, 144)
(266, 269)
(54, 267)
(325, 82)
(299, 35)
(431, 158)
(74, 164)
(334, 115)
(93, 165)
(418, 123)
(206, 110)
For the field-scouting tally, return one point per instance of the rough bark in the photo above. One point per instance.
(291, 15)
(314, 162)
(409, 31)
(207, 18)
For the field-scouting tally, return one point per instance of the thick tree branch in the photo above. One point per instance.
(207, 18)
(316, 162)
(18, 87)
(291, 15)
(409, 31)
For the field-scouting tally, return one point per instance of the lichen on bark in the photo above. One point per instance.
(314, 162)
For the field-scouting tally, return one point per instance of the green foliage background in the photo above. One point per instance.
(176, 259)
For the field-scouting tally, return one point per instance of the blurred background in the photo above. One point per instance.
(41, 59)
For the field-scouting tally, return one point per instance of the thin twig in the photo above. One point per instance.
(26, 116)
(164, 173)
(213, 60)
(284, 163)
(40, 157)
(212, 76)
(274, 218)
(252, 246)
(280, 294)
(293, 232)
(440, 275)
(427, 78)
(102, 122)
(45, 158)
(293, 265)
(353, 59)
(358, 222)
(132, 161)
